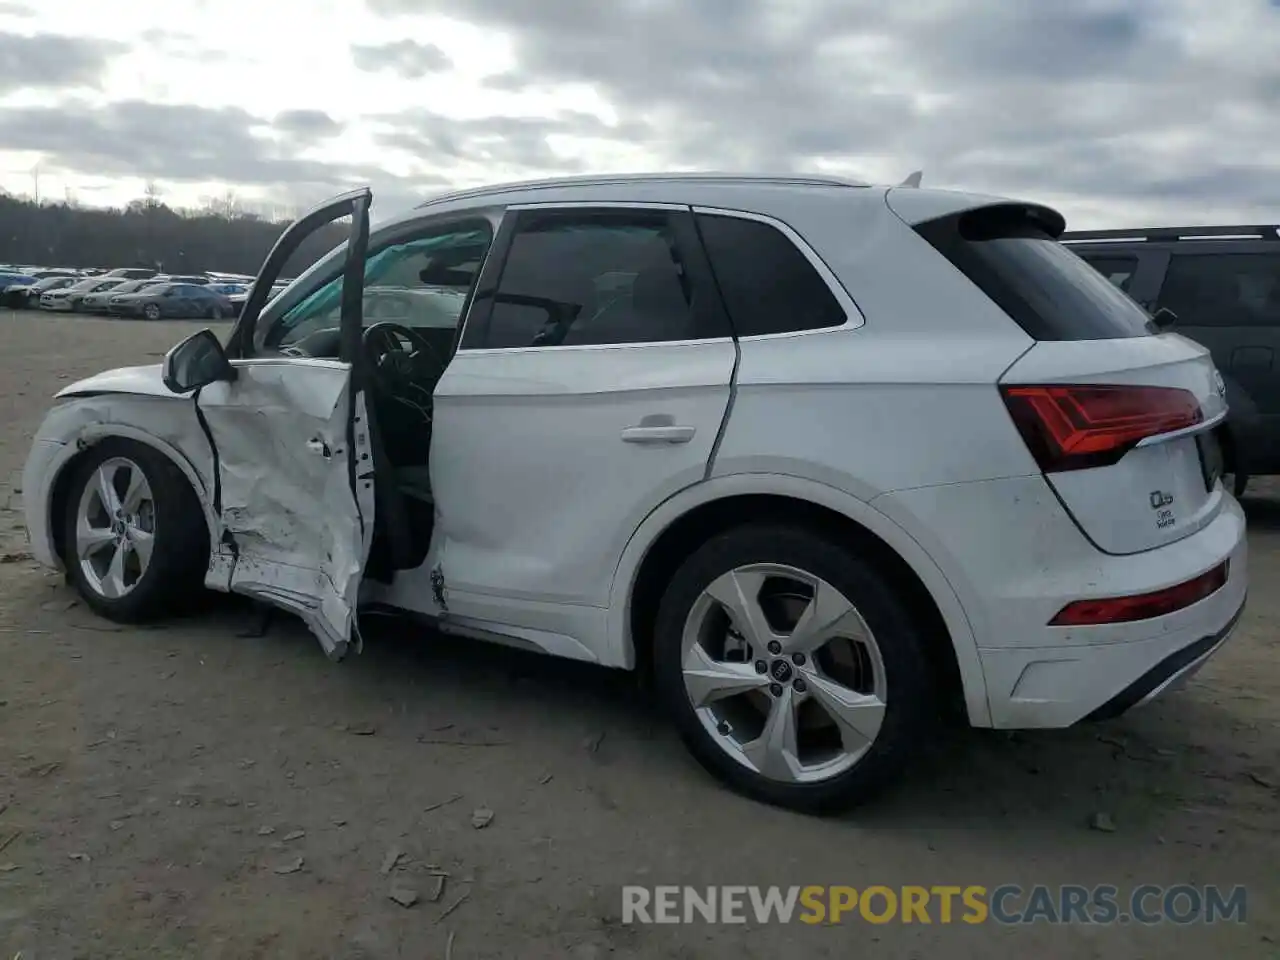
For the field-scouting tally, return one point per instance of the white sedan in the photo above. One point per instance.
(828, 459)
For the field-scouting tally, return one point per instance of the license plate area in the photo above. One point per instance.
(1209, 449)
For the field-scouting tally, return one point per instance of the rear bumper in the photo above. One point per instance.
(1168, 675)
(1015, 559)
(1056, 687)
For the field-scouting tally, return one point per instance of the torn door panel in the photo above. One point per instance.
(266, 426)
(288, 507)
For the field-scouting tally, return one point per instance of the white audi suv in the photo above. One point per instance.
(830, 461)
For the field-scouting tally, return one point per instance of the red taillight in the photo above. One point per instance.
(1071, 427)
(1143, 606)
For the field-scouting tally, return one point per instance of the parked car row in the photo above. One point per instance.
(127, 291)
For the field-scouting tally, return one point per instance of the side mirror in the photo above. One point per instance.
(196, 362)
(1164, 319)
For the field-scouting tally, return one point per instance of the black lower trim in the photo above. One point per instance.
(1133, 694)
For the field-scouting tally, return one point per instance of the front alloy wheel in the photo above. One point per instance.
(115, 528)
(151, 311)
(135, 542)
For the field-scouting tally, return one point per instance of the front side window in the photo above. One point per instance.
(1223, 289)
(579, 278)
(421, 282)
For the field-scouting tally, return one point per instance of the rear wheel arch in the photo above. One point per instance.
(60, 487)
(693, 527)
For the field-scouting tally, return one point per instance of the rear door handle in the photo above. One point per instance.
(658, 433)
(319, 448)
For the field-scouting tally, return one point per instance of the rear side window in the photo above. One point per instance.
(1119, 270)
(1223, 289)
(767, 284)
(1012, 256)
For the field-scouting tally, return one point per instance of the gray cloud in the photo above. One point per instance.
(192, 144)
(1120, 105)
(15, 10)
(50, 60)
(404, 57)
(179, 43)
(500, 141)
(307, 125)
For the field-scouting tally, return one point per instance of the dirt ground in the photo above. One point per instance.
(194, 791)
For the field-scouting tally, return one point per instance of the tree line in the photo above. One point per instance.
(148, 233)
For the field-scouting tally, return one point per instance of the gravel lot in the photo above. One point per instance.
(159, 787)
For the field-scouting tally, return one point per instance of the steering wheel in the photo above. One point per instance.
(395, 367)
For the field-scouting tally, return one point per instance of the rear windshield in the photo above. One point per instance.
(1042, 285)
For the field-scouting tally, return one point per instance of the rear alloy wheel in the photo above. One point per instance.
(793, 669)
(135, 540)
(151, 311)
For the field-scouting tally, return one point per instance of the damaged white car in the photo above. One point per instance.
(823, 457)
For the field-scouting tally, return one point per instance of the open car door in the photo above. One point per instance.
(294, 484)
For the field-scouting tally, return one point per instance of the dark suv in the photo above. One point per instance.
(1223, 286)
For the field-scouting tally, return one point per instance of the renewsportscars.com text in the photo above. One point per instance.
(1005, 904)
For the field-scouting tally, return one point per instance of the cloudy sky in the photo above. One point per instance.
(1117, 111)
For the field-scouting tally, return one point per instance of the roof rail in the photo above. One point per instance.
(610, 179)
(1142, 234)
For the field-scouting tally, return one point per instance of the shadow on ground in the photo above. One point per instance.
(1138, 769)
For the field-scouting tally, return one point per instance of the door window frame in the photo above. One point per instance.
(332, 266)
(242, 343)
(707, 309)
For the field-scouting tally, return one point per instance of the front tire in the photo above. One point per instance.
(151, 311)
(792, 667)
(135, 541)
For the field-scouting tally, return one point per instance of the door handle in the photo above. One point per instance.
(319, 447)
(663, 433)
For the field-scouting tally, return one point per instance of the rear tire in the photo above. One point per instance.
(852, 725)
(158, 534)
